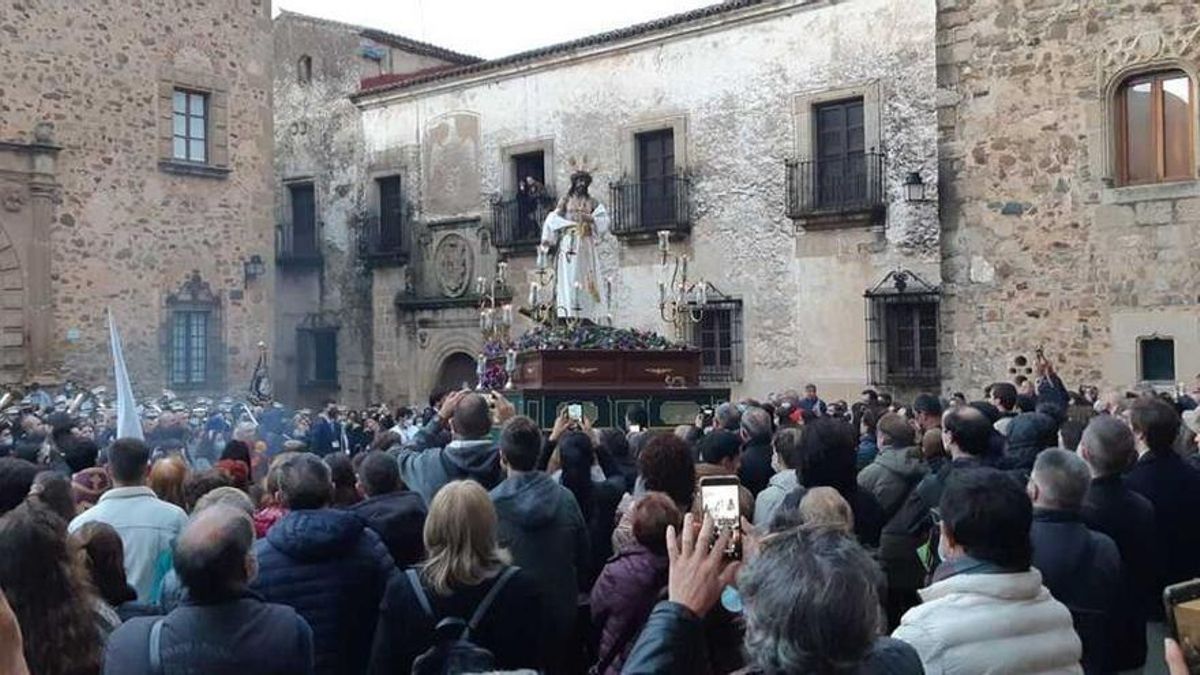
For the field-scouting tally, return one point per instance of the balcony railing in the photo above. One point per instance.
(382, 244)
(835, 186)
(297, 248)
(644, 207)
(517, 221)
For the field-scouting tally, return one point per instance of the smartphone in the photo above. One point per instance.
(575, 412)
(1183, 619)
(720, 497)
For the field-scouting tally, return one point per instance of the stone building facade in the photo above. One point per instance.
(773, 138)
(135, 174)
(1070, 202)
(326, 197)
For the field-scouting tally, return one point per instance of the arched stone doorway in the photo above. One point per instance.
(457, 369)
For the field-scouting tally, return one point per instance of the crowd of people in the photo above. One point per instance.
(1030, 531)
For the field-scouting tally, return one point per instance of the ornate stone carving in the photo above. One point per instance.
(193, 291)
(1148, 48)
(423, 339)
(453, 263)
(13, 201)
(43, 132)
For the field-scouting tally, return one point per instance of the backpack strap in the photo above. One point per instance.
(488, 599)
(419, 591)
(156, 667)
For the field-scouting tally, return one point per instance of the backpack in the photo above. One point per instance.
(452, 651)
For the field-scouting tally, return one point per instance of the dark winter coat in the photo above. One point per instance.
(540, 524)
(893, 474)
(756, 470)
(1128, 518)
(332, 569)
(622, 598)
(512, 630)
(399, 520)
(1173, 488)
(242, 635)
(868, 448)
(673, 642)
(1082, 570)
(1028, 435)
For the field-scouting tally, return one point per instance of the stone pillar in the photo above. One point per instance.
(39, 307)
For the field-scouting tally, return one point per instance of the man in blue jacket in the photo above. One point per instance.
(326, 564)
(221, 628)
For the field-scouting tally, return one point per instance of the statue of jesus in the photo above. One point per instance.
(573, 227)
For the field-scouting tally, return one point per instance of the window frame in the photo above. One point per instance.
(188, 116)
(915, 326)
(1158, 126)
(187, 314)
(1141, 358)
(902, 288)
(735, 371)
(307, 352)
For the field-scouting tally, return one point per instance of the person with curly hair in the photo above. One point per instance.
(665, 465)
(49, 593)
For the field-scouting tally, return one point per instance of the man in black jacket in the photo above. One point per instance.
(1161, 476)
(1107, 446)
(395, 514)
(755, 472)
(1080, 568)
(965, 435)
(221, 628)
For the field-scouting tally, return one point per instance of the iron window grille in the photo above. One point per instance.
(902, 327)
(517, 220)
(718, 336)
(318, 357)
(189, 347)
(644, 207)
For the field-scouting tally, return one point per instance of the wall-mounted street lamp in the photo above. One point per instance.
(253, 269)
(914, 188)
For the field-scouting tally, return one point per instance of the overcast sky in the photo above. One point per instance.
(491, 28)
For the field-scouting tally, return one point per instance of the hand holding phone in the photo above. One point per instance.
(720, 499)
(1183, 619)
(575, 412)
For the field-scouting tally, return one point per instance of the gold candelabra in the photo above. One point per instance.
(680, 301)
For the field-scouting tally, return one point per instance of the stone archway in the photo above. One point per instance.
(13, 340)
(457, 369)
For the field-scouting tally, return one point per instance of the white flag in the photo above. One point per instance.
(128, 424)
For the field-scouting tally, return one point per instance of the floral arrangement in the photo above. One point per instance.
(567, 336)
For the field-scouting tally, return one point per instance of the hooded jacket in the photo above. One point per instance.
(541, 525)
(426, 471)
(978, 623)
(399, 520)
(893, 474)
(332, 569)
(1028, 435)
(769, 500)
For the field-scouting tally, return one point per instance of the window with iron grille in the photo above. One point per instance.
(902, 331)
(318, 356)
(190, 126)
(391, 213)
(1156, 359)
(189, 347)
(718, 336)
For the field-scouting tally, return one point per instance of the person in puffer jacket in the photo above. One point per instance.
(327, 565)
(987, 610)
(632, 582)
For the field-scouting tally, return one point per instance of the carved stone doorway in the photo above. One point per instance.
(456, 370)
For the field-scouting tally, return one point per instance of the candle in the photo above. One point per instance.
(480, 366)
(510, 360)
(501, 271)
(483, 320)
(533, 294)
(664, 240)
(542, 252)
(480, 283)
(508, 315)
(702, 293)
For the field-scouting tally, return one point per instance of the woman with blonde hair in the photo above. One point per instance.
(167, 476)
(466, 576)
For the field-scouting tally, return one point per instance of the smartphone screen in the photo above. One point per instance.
(1183, 617)
(720, 500)
(575, 411)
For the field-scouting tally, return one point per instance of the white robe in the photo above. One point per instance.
(576, 261)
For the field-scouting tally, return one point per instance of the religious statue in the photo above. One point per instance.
(572, 227)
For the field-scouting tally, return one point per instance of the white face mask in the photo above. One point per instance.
(944, 551)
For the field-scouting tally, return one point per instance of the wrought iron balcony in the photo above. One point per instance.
(641, 208)
(836, 187)
(297, 248)
(383, 243)
(517, 221)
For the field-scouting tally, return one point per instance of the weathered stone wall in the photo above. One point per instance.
(737, 92)
(125, 233)
(318, 137)
(1039, 246)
